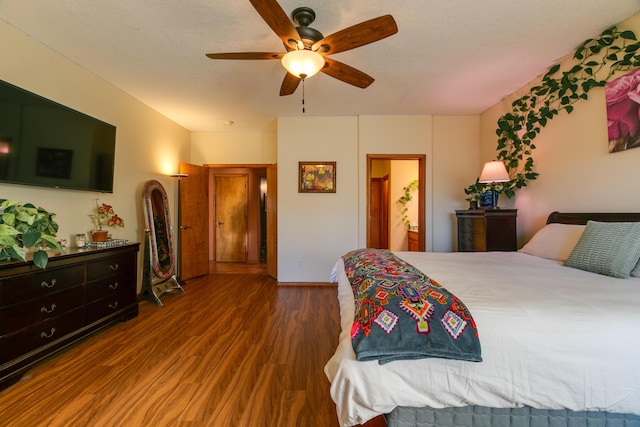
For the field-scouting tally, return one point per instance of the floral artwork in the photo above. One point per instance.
(623, 111)
(317, 177)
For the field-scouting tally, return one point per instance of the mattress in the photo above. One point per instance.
(552, 337)
(475, 416)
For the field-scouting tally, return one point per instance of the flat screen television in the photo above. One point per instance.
(46, 144)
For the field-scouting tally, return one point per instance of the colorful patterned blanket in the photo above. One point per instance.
(403, 314)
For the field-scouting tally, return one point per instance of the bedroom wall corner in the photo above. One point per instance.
(456, 153)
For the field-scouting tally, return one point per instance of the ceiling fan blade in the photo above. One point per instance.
(277, 19)
(289, 84)
(346, 73)
(357, 35)
(246, 55)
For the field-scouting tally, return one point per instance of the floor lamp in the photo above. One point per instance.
(178, 234)
(493, 172)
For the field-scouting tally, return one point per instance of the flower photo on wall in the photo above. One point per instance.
(317, 177)
(623, 111)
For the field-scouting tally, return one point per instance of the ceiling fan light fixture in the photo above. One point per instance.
(302, 62)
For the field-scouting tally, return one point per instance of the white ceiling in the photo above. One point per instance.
(448, 57)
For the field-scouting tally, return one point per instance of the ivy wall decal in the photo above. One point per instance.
(596, 61)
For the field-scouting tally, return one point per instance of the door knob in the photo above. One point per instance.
(219, 223)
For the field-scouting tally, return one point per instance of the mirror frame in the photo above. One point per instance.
(150, 187)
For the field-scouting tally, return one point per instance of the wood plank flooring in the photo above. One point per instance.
(234, 350)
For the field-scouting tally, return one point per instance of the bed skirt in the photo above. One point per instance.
(477, 416)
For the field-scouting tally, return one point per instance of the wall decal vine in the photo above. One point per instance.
(404, 200)
(558, 91)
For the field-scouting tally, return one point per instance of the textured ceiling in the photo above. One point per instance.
(448, 57)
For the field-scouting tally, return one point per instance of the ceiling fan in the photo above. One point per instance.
(307, 47)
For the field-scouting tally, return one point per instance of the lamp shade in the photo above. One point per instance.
(302, 63)
(494, 171)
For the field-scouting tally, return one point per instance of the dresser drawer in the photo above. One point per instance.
(471, 242)
(110, 267)
(24, 287)
(110, 286)
(471, 225)
(19, 316)
(107, 306)
(40, 334)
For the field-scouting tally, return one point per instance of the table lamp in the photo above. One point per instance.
(493, 172)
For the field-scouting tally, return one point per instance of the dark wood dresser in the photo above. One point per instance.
(481, 230)
(44, 311)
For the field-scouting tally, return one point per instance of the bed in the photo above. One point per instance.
(559, 343)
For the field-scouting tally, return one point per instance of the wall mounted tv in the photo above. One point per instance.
(46, 144)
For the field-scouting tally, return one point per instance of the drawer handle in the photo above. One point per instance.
(113, 286)
(114, 267)
(49, 335)
(44, 284)
(48, 310)
(114, 305)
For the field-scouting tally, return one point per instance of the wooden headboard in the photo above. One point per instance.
(583, 217)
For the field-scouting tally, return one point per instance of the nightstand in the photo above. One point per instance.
(413, 241)
(481, 230)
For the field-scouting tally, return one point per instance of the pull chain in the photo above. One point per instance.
(302, 77)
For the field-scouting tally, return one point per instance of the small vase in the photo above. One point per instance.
(99, 235)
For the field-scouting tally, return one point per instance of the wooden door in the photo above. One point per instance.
(379, 213)
(231, 218)
(272, 221)
(193, 225)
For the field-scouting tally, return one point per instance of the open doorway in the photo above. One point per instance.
(387, 174)
(240, 211)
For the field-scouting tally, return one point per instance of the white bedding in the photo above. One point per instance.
(552, 337)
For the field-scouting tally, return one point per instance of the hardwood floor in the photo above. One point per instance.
(233, 350)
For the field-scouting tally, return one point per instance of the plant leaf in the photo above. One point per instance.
(31, 238)
(40, 258)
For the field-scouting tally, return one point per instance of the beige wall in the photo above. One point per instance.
(402, 173)
(233, 148)
(314, 230)
(456, 152)
(148, 145)
(577, 173)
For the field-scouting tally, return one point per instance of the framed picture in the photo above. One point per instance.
(623, 109)
(317, 177)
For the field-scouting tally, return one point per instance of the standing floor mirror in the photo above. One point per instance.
(159, 265)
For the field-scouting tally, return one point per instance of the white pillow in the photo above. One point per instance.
(554, 241)
(636, 271)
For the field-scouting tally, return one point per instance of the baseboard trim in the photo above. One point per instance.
(308, 284)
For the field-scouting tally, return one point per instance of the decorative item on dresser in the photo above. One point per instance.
(103, 215)
(79, 293)
(481, 230)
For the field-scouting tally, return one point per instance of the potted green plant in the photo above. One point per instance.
(103, 215)
(24, 227)
(474, 193)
